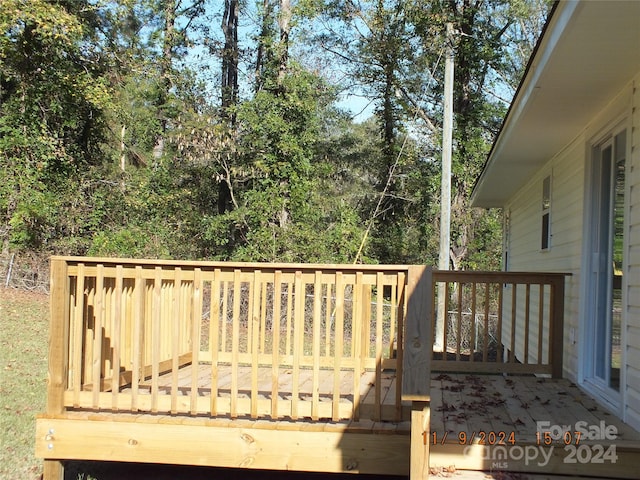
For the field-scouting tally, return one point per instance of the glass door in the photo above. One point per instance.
(607, 262)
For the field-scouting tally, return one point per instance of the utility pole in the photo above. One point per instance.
(445, 197)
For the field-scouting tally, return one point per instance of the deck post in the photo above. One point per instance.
(557, 326)
(420, 420)
(58, 352)
(416, 371)
(417, 339)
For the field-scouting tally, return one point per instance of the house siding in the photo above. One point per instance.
(568, 171)
(567, 186)
(631, 375)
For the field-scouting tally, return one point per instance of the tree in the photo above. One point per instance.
(393, 50)
(113, 143)
(230, 54)
(284, 22)
(279, 131)
(376, 41)
(265, 42)
(53, 95)
(491, 46)
(172, 39)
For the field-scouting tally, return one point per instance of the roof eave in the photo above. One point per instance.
(557, 20)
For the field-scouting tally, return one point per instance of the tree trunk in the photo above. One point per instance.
(388, 117)
(229, 94)
(165, 75)
(123, 155)
(262, 54)
(284, 24)
(230, 60)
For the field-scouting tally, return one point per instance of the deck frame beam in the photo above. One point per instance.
(336, 448)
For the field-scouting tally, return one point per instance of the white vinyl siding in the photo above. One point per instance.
(567, 170)
(567, 186)
(631, 337)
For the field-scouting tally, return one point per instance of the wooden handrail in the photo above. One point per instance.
(525, 333)
(207, 264)
(123, 330)
(131, 327)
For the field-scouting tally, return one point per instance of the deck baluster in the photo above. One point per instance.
(98, 334)
(339, 345)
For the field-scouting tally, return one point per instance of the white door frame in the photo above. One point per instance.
(592, 263)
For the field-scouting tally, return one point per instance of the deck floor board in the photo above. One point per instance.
(470, 415)
(463, 406)
(527, 401)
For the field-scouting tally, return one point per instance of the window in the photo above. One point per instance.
(506, 240)
(546, 214)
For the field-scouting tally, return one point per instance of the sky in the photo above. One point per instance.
(207, 66)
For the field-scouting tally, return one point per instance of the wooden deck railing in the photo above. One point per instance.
(217, 339)
(500, 322)
(124, 334)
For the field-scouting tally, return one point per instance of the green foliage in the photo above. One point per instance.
(52, 99)
(113, 144)
(282, 216)
(153, 213)
(492, 46)
(125, 242)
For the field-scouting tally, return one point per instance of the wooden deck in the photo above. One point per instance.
(366, 405)
(167, 348)
(527, 424)
(478, 422)
(269, 442)
(321, 368)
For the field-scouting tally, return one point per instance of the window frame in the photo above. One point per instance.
(545, 216)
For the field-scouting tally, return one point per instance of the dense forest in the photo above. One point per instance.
(254, 130)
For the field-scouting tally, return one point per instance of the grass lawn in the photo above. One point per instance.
(24, 324)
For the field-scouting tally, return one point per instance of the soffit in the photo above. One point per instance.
(590, 50)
